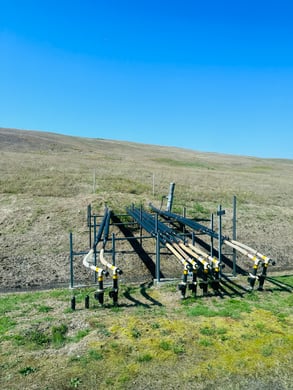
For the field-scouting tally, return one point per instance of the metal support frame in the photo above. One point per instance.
(220, 213)
(92, 222)
(170, 197)
(162, 234)
(234, 234)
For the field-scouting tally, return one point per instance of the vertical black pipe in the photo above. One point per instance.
(89, 222)
(220, 212)
(73, 301)
(95, 253)
(113, 249)
(184, 216)
(114, 293)
(212, 238)
(183, 284)
(71, 260)
(234, 235)
(95, 226)
(106, 227)
(99, 294)
(140, 225)
(263, 276)
(253, 276)
(216, 280)
(158, 265)
(205, 282)
(193, 285)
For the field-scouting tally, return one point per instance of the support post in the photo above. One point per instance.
(212, 238)
(113, 249)
(183, 285)
(263, 276)
(184, 216)
(140, 225)
(158, 266)
(234, 235)
(158, 258)
(170, 197)
(220, 212)
(95, 252)
(71, 260)
(89, 223)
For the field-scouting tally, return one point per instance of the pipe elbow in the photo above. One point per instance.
(86, 258)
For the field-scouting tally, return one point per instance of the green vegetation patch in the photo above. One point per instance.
(184, 164)
(215, 308)
(6, 323)
(203, 339)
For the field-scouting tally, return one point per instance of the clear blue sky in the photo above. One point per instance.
(207, 75)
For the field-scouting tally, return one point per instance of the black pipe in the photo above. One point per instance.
(101, 228)
(186, 221)
(114, 292)
(99, 294)
(150, 224)
(215, 284)
(106, 227)
(252, 277)
(182, 286)
(204, 283)
(143, 255)
(263, 276)
(73, 301)
(193, 284)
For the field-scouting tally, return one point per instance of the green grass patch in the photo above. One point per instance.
(206, 338)
(44, 308)
(79, 335)
(27, 370)
(146, 357)
(228, 308)
(183, 164)
(59, 334)
(6, 323)
(33, 337)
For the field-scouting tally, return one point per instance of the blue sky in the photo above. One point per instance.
(209, 75)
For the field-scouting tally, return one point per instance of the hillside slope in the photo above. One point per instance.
(47, 180)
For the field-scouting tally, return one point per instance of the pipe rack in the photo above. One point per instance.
(195, 261)
(257, 257)
(191, 260)
(89, 258)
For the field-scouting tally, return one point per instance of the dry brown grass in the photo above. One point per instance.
(46, 182)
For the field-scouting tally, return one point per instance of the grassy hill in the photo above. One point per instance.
(47, 180)
(152, 339)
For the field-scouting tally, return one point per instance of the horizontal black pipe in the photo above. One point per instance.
(188, 222)
(149, 223)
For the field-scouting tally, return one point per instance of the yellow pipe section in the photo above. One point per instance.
(185, 255)
(241, 249)
(201, 259)
(213, 260)
(177, 254)
(266, 259)
(106, 263)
